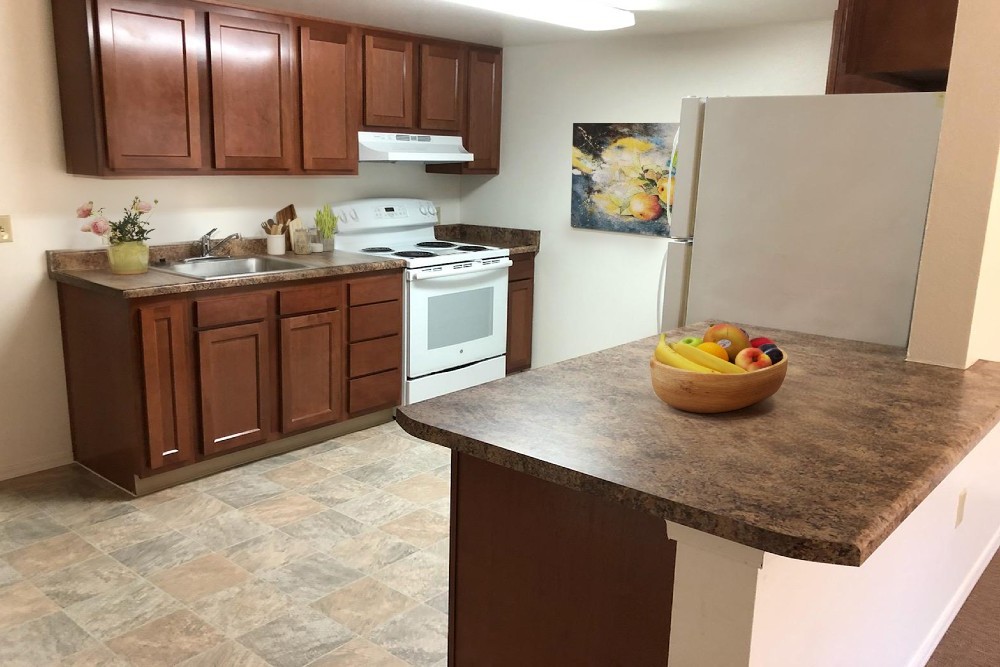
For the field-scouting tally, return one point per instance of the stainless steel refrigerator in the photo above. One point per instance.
(803, 212)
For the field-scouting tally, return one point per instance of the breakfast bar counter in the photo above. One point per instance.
(824, 471)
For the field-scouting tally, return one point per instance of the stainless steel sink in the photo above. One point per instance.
(215, 268)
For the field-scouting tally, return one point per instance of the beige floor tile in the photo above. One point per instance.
(226, 654)
(216, 479)
(82, 581)
(27, 529)
(298, 474)
(43, 641)
(242, 608)
(371, 551)
(418, 636)
(93, 510)
(297, 638)
(123, 531)
(335, 490)
(345, 458)
(167, 641)
(161, 497)
(23, 602)
(356, 436)
(422, 489)
(200, 577)
(96, 656)
(313, 450)
(247, 490)
(121, 609)
(364, 605)
(441, 549)
(13, 505)
(50, 555)
(8, 575)
(269, 551)
(359, 653)
(159, 553)
(325, 530)
(283, 509)
(188, 510)
(421, 528)
(385, 445)
(421, 575)
(308, 579)
(442, 507)
(376, 508)
(439, 602)
(386, 472)
(225, 530)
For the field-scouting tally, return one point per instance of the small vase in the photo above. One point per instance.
(328, 242)
(128, 258)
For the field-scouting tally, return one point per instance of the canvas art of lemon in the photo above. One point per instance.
(623, 177)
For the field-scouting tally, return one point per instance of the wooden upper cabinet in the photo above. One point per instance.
(442, 87)
(390, 85)
(330, 64)
(312, 370)
(482, 136)
(253, 100)
(151, 96)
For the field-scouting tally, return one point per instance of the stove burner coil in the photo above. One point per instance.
(470, 248)
(376, 249)
(413, 254)
(436, 244)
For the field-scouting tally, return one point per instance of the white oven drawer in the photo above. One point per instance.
(456, 318)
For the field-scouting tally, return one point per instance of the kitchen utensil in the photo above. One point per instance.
(286, 214)
(716, 392)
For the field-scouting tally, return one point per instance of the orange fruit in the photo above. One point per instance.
(715, 349)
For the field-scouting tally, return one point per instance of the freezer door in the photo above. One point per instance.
(688, 150)
(674, 284)
(811, 212)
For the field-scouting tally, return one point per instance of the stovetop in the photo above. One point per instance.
(433, 253)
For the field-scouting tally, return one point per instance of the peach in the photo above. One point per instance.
(752, 359)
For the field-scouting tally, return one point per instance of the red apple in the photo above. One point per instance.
(645, 206)
(730, 337)
(761, 342)
(752, 359)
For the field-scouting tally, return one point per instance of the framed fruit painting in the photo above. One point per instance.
(623, 177)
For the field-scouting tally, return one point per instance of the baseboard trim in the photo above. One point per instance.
(35, 465)
(949, 613)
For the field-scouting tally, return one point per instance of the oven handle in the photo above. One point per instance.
(475, 268)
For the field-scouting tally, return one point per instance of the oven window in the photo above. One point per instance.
(459, 317)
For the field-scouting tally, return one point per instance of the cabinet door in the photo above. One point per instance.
(442, 87)
(233, 375)
(312, 370)
(252, 96)
(168, 384)
(520, 303)
(483, 127)
(389, 83)
(150, 93)
(331, 98)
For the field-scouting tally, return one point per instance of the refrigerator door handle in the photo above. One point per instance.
(687, 241)
(661, 291)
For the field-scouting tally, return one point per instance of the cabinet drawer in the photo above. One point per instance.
(376, 391)
(372, 356)
(373, 290)
(522, 269)
(310, 299)
(376, 321)
(230, 309)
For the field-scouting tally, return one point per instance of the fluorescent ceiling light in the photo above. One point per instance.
(579, 14)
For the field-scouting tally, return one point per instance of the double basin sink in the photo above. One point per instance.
(217, 268)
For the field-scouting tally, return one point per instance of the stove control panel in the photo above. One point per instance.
(391, 213)
(386, 212)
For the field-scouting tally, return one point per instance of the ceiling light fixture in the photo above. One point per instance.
(579, 14)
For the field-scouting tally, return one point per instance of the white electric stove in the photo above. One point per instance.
(455, 294)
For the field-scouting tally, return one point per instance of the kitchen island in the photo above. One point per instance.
(593, 523)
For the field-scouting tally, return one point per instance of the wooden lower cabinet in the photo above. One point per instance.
(235, 386)
(312, 370)
(520, 308)
(203, 374)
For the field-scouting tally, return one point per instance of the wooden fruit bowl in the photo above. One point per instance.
(714, 392)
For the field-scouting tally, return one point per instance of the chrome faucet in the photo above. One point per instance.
(207, 247)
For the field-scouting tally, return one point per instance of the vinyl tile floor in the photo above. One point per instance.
(332, 555)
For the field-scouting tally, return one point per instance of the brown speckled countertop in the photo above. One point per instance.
(518, 241)
(824, 470)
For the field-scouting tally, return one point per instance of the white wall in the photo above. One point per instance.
(596, 289)
(42, 198)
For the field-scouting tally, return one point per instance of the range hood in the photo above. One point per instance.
(394, 147)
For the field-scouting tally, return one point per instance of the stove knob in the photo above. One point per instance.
(423, 210)
(354, 214)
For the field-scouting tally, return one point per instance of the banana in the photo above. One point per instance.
(667, 356)
(691, 353)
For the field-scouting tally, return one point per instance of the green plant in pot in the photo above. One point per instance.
(326, 225)
(127, 250)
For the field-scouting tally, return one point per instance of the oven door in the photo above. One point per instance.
(456, 315)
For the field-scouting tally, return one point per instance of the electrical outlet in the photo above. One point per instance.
(6, 229)
(960, 512)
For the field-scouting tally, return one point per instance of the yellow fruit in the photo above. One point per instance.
(716, 349)
(632, 144)
(705, 359)
(667, 356)
(645, 207)
(665, 189)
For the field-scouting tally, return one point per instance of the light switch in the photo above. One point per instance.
(6, 229)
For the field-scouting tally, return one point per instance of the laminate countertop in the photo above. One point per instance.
(89, 268)
(823, 471)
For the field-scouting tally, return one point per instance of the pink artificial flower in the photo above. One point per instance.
(85, 210)
(144, 207)
(100, 226)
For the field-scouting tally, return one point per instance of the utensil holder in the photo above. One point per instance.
(275, 244)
